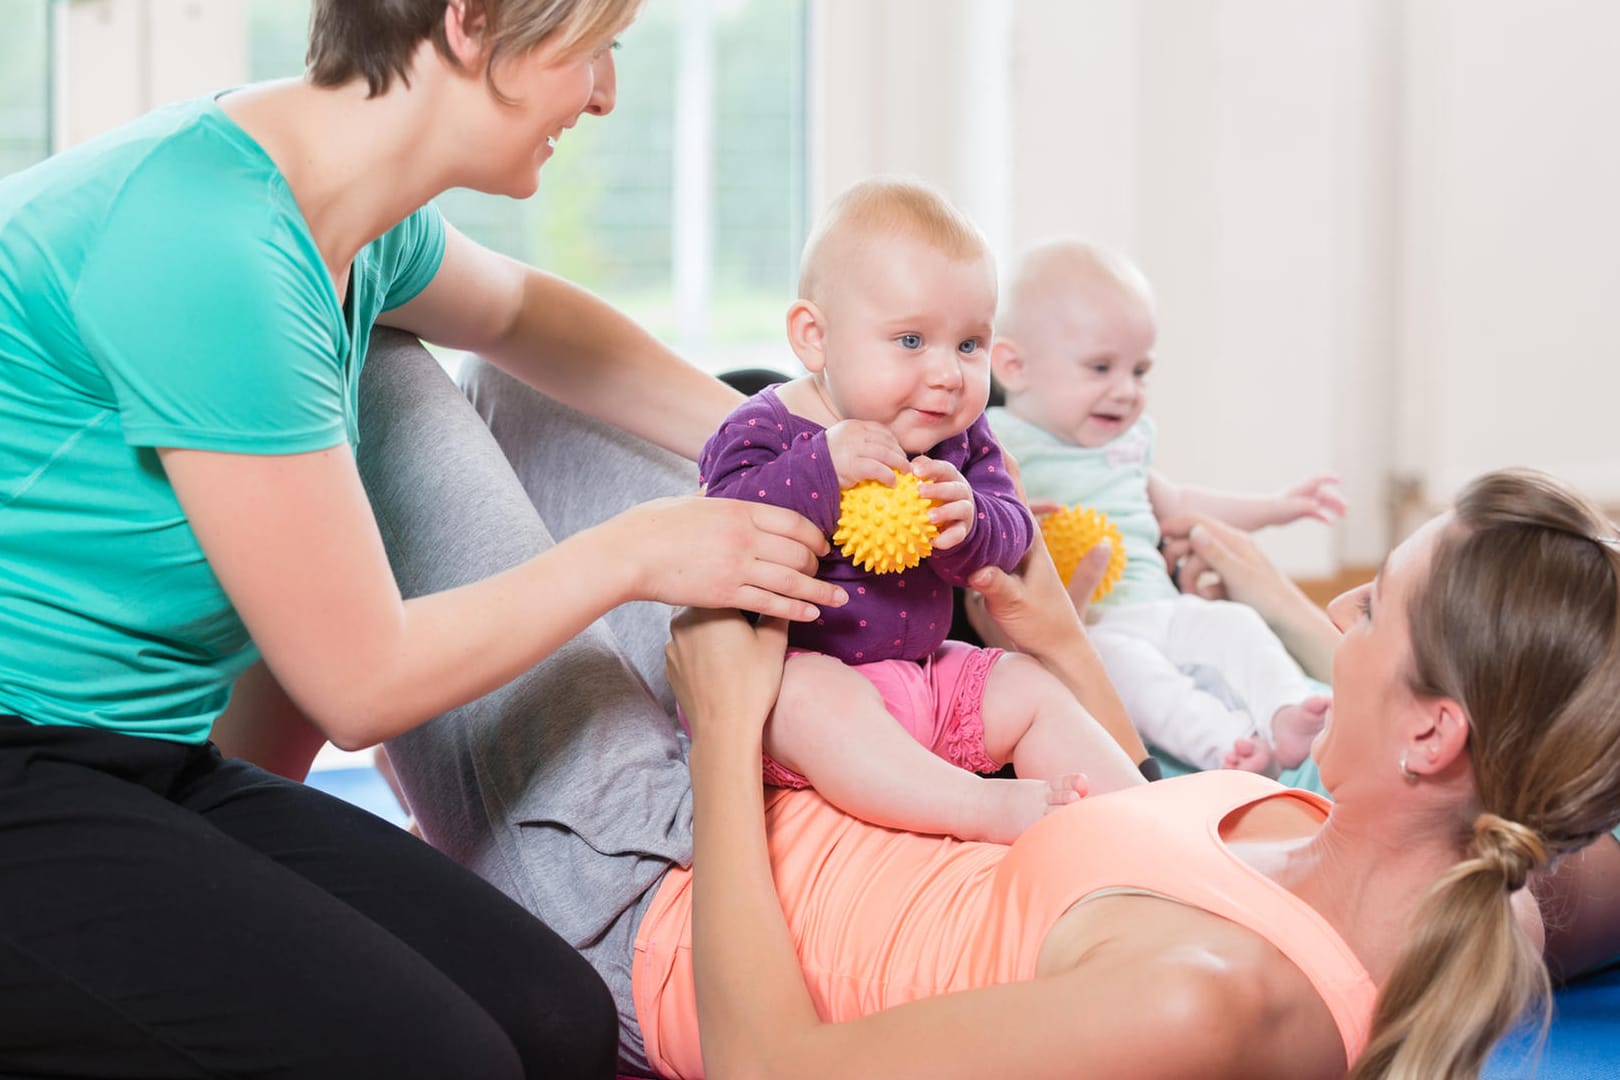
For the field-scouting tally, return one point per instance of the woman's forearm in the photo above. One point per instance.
(1074, 660)
(751, 996)
(1247, 576)
(586, 353)
(1307, 632)
(262, 725)
(448, 648)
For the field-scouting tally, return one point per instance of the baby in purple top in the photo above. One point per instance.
(882, 715)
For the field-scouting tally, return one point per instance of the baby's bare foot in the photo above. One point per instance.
(1251, 754)
(1008, 807)
(1295, 727)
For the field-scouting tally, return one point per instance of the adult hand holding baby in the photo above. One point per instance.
(1020, 611)
(1219, 562)
(726, 674)
(725, 553)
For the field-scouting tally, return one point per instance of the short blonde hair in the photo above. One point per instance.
(1055, 267)
(887, 206)
(375, 39)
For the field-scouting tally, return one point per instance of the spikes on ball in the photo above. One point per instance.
(885, 529)
(1072, 532)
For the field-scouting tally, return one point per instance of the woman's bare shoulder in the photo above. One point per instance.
(1210, 979)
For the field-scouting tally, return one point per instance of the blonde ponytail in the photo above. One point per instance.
(1467, 972)
(1517, 621)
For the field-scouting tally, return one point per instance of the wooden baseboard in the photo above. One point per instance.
(1324, 589)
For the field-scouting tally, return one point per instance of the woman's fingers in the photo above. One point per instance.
(792, 550)
(770, 589)
(785, 561)
(1029, 607)
(994, 585)
(719, 553)
(779, 521)
(1088, 574)
(723, 670)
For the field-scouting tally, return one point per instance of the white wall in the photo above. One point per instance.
(1383, 232)
(1511, 240)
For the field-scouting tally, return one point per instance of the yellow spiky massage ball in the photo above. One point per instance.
(885, 529)
(1071, 532)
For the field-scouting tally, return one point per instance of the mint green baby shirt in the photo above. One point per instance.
(1112, 478)
(158, 287)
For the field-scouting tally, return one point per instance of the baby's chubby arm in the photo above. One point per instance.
(754, 457)
(981, 501)
(1317, 497)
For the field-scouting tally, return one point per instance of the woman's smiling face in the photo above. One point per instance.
(547, 91)
(1372, 665)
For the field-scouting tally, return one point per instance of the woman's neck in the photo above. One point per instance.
(356, 166)
(1364, 872)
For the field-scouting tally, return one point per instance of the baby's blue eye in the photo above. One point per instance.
(970, 346)
(910, 341)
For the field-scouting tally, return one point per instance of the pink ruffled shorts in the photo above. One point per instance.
(939, 700)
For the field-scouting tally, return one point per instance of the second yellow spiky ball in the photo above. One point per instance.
(885, 529)
(1075, 530)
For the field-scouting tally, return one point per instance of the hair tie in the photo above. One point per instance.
(1510, 849)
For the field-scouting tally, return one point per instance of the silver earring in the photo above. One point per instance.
(1407, 774)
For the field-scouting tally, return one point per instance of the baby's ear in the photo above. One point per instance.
(807, 335)
(1007, 365)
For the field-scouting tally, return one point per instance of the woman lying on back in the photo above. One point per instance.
(1215, 925)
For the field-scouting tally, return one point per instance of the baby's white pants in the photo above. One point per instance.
(1196, 674)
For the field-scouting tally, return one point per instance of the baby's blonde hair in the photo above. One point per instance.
(886, 206)
(1049, 271)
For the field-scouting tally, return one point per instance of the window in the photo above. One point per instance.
(686, 207)
(277, 30)
(25, 83)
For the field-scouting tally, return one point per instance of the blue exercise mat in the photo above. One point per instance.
(364, 787)
(1583, 1042)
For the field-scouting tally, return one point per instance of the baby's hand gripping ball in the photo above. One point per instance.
(1071, 532)
(885, 529)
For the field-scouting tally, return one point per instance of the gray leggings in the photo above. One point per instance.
(567, 788)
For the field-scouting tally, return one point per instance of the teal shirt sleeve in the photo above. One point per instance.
(217, 328)
(409, 255)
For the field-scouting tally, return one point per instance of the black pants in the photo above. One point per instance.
(165, 912)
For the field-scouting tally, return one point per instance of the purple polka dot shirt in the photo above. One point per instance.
(764, 453)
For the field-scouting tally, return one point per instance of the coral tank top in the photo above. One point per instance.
(882, 917)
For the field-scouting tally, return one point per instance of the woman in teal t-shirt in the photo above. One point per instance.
(185, 305)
